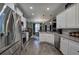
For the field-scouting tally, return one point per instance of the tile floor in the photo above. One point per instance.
(43, 48)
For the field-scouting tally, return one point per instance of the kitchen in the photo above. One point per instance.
(66, 36)
(39, 29)
(59, 29)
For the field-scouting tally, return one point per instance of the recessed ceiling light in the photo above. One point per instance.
(31, 7)
(48, 8)
(32, 13)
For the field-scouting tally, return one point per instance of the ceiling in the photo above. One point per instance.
(39, 12)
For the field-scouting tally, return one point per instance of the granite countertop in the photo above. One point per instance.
(46, 32)
(68, 37)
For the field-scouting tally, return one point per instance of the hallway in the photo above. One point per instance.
(42, 48)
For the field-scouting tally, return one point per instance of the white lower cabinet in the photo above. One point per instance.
(73, 48)
(64, 46)
(47, 37)
(69, 47)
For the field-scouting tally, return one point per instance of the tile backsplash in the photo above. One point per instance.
(67, 31)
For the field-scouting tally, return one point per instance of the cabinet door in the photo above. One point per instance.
(77, 15)
(73, 48)
(71, 17)
(61, 23)
(64, 46)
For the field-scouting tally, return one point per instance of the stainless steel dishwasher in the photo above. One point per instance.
(57, 42)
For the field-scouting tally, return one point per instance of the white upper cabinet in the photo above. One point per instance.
(61, 20)
(77, 15)
(69, 18)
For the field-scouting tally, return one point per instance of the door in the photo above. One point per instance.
(73, 48)
(61, 20)
(64, 46)
(71, 17)
(33, 27)
(57, 41)
(37, 29)
(77, 15)
(46, 28)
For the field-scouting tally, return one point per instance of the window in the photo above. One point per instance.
(37, 27)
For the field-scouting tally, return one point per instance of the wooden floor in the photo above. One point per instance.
(36, 48)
